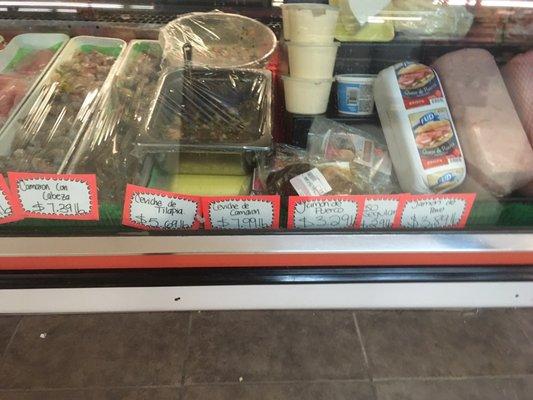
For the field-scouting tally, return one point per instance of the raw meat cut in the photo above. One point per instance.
(518, 76)
(496, 149)
(34, 63)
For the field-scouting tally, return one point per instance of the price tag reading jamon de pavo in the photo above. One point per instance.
(56, 196)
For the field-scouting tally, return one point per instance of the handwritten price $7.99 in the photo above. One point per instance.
(241, 223)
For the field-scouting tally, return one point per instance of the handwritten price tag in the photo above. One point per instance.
(9, 207)
(435, 211)
(241, 212)
(52, 196)
(324, 212)
(380, 211)
(152, 209)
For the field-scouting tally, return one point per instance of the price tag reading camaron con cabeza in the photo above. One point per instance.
(324, 212)
(152, 209)
(434, 211)
(54, 196)
(9, 207)
(241, 212)
(380, 211)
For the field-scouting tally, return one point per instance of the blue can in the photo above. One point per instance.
(355, 94)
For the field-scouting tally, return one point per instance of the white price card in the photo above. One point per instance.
(9, 207)
(56, 196)
(435, 211)
(241, 212)
(324, 212)
(152, 209)
(380, 211)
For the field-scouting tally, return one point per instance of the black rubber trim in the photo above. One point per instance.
(256, 276)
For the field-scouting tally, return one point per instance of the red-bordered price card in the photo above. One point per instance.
(380, 211)
(241, 212)
(435, 211)
(54, 196)
(9, 208)
(152, 209)
(324, 212)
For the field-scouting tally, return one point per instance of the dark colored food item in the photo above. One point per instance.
(109, 152)
(49, 130)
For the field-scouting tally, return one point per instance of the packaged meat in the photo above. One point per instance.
(518, 76)
(22, 64)
(419, 129)
(106, 149)
(44, 133)
(496, 149)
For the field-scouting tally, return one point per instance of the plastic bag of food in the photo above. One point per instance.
(429, 18)
(368, 156)
(218, 40)
(46, 130)
(107, 147)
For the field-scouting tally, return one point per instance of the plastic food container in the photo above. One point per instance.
(306, 96)
(312, 23)
(312, 61)
(208, 117)
(355, 94)
(218, 40)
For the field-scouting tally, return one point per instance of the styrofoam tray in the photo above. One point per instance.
(73, 46)
(36, 41)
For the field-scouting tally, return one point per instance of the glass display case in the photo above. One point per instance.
(260, 154)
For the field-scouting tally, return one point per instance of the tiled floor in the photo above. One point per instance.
(275, 355)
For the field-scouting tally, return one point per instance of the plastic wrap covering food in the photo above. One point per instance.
(109, 142)
(366, 152)
(419, 18)
(22, 63)
(218, 40)
(45, 132)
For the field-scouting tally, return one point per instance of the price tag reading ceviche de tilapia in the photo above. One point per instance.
(380, 211)
(435, 211)
(9, 209)
(241, 212)
(324, 212)
(55, 196)
(152, 209)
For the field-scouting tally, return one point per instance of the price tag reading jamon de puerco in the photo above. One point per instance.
(152, 209)
(55, 196)
(435, 211)
(9, 207)
(241, 212)
(324, 212)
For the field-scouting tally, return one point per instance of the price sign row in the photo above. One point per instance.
(53, 196)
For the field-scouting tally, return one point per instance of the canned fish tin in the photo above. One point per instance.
(355, 94)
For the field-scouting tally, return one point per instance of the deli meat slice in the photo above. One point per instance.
(497, 151)
(518, 76)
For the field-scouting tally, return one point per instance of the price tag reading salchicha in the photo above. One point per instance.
(241, 212)
(152, 209)
(55, 196)
(380, 211)
(323, 212)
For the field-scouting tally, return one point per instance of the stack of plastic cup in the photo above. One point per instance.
(309, 30)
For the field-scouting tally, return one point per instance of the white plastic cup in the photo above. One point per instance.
(312, 23)
(306, 96)
(286, 22)
(312, 61)
(355, 94)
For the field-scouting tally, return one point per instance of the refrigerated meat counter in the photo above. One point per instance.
(167, 156)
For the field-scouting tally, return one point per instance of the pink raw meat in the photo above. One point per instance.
(497, 151)
(518, 76)
(34, 63)
(12, 90)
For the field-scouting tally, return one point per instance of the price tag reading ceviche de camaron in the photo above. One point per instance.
(380, 211)
(152, 209)
(435, 211)
(241, 212)
(324, 212)
(9, 207)
(55, 196)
